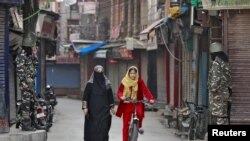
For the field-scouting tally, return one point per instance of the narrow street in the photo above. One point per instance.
(68, 125)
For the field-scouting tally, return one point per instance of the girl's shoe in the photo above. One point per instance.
(141, 131)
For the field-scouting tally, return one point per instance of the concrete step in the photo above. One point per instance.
(19, 135)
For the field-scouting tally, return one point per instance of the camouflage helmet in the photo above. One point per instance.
(215, 47)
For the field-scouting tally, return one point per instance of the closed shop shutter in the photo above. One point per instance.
(161, 75)
(63, 76)
(3, 112)
(2, 48)
(186, 76)
(238, 50)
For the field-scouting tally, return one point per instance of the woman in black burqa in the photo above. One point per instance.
(97, 102)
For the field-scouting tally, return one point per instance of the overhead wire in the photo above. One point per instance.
(33, 14)
(172, 55)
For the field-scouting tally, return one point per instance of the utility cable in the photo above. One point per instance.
(30, 16)
(168, 48)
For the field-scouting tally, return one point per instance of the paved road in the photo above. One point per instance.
(68, 125)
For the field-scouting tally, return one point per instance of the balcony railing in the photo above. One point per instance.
(225, 4)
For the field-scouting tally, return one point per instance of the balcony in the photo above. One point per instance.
(225, 4)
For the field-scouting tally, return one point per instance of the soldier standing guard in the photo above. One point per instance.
(26, 70)
(219, 86)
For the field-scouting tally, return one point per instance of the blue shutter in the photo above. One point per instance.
(10, 2)
(4, 116)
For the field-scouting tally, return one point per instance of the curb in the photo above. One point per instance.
(18, 135)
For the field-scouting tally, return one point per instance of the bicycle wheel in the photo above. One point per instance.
(191, 130)
(201, 125)
(133, 132)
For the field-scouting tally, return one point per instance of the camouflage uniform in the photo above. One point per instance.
(219, 80)
(26, 70)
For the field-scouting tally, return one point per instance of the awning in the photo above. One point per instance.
(86, 49)
(152, 26)
(132, 43)
(112, 45)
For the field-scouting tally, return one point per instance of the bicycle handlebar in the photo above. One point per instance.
(136, 101)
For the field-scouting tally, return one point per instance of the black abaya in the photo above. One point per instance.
(98, 120)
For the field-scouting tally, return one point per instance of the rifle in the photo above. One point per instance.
(229, 103)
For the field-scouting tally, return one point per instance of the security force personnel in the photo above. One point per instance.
(219, 85)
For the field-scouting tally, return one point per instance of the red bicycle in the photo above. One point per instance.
(134, 124)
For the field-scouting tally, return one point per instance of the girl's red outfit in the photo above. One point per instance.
(126, 109)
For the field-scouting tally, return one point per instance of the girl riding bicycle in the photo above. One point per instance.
(133, 88)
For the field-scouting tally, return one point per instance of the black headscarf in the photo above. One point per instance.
(221, 55)
(99, 77)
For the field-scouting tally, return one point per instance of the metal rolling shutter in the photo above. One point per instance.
(4, 127)
(239, 57)
(2, 46)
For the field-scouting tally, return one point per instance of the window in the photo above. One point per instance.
(74, 7)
